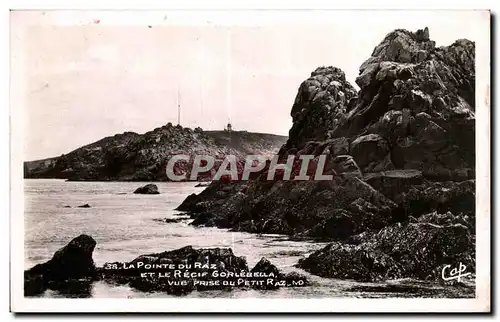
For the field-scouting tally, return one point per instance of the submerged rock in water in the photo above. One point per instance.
(72, 262)
(149, 189)
(172, 220)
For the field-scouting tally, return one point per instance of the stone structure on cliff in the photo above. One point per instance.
(401, 148)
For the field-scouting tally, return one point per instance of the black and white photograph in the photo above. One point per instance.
(335, 160)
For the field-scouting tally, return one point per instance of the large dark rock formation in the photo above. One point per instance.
(216, 259)
(417, 103)
(71, 263)
(418, 249)
(400, 148)
(143, 157)
(208, 268)
(292, 207)
(71, 270)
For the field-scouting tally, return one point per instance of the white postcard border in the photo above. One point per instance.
(483, 231)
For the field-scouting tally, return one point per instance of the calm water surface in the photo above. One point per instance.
(124, 226)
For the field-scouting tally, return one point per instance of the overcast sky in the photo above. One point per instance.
(87, 77)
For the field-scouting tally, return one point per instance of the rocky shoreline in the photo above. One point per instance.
(176, 272)
(402, 151)
(418, 249)
(401, 203)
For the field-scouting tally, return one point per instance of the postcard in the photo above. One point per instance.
(250, 161)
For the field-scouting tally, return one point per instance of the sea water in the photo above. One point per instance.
(126, 225)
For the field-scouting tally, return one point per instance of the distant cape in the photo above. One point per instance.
(143, 157)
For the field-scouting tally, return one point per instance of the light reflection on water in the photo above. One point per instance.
(123, 225)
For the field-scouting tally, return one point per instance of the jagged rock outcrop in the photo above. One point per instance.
(135, 157)
(69, 264)
(321, 103)
(418, 249)
(400, 148)
(417, 101)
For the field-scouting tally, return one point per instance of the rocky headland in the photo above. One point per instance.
(402, 151)
(143, 157)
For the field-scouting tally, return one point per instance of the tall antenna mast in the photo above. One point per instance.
(178, 107)
(202, 41)
(228, 73)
